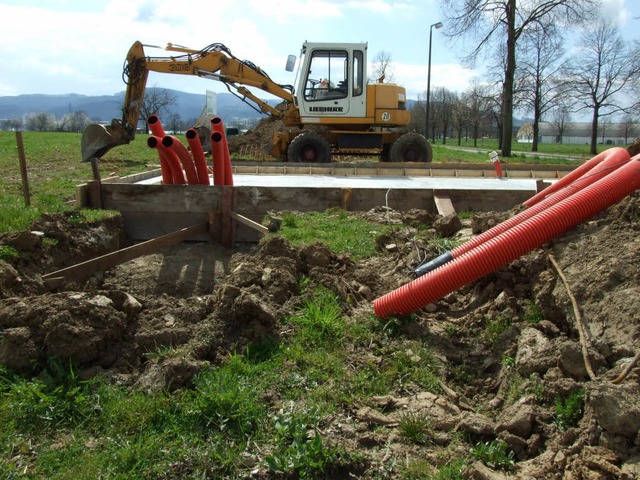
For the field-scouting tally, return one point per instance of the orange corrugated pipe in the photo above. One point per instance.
(513, 243)
(614, 158)
(217, 153)
(181, 151)
(155, 126)
(172, 174)
(567, 179)
(198, 156)
(218, 126)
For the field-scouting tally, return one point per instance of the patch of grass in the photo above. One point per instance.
(416, 428)
(495, 327)
(494, 454)
(532, 313)
(320, 320)
(8, 253)
(569, 410)
(338, 229)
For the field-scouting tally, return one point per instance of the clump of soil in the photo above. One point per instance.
(509, 342)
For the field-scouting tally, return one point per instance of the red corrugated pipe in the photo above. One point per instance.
(217, 153)
(172, 174)
(614, 158)
(155, 126)
(181, 151)
(218, 126)
(513, 243)
(198, 156)
(567, 179)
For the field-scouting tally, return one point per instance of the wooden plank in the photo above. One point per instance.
(225, 217)
(443, 205)
(249, 223)
(84, 270)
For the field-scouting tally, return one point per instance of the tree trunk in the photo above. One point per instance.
(509, 75)
(594, 131)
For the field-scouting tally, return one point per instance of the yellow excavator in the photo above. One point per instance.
(333, 110)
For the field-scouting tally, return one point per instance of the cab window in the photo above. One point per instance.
(358, 73)
(328, 75)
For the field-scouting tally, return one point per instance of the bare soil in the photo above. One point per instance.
(207, 301)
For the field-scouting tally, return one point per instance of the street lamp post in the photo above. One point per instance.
(426, 120)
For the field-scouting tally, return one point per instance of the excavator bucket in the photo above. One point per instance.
(99, 139)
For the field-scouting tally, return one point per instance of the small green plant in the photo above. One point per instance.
(568, 411)
(495, 327)
(8, 253)
(416, 428)
(300, 450)
(494, 454)
(532, 313)
(509, 361)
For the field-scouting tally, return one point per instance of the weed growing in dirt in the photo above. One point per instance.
(8, 253)
(569, 410)
(494, 454)
(416, 428)
(495, 327)
(300, 450)
(532, 313)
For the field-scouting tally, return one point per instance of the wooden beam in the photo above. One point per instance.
(84, 270)
(443, 204)
(248, 222)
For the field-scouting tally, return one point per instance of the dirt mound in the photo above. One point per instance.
(509, 343)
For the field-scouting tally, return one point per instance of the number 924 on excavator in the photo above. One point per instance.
(333, 110)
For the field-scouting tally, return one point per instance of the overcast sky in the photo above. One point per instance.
(79, 46)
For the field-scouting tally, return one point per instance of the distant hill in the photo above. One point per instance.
(105, 107)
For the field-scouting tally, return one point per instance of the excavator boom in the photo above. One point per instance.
(214, 61)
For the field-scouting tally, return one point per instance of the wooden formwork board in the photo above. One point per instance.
(149, 211)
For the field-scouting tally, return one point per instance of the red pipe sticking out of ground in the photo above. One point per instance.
(169, 163)
(155, 125)
(198, 156)
(181, 151)
(614, 158)
(513, 243)
(218, 126)
(217, 153)
(567, 179)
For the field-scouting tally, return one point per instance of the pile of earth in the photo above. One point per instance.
(204, 301)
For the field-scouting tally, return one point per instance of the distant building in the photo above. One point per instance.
(580, 132)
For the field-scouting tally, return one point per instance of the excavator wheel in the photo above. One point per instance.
(411, 147)
(309, 147)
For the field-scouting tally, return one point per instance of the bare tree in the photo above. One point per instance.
(459, 118)
(504, 21)
(629, 127)
(542, 50)
(603, 69)
(443, 104)
(156, 101)
(74, 122)
(475, 99)
(381, 68)
(561, 119)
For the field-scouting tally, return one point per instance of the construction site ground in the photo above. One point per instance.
(503, 385)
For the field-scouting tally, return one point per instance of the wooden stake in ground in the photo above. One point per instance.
(582, 331)
(23, 170)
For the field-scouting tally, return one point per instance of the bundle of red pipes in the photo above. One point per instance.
(181, 165)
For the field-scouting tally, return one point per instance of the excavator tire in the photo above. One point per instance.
(411, 147)
(309, 147)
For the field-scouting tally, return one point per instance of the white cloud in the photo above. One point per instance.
(615, 11)
(414, 77)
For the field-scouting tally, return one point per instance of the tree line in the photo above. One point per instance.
(524, 44)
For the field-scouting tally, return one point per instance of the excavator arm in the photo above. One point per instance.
(214, 62)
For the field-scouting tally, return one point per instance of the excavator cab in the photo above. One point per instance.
(332, 81)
